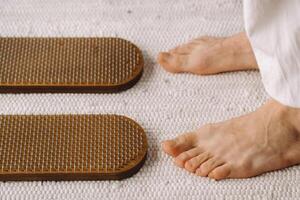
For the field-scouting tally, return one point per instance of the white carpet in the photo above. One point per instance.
(164, 104)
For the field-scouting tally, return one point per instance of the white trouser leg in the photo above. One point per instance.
(273, 27)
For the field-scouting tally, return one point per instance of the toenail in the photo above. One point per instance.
(203, 170)
(166, 56)
(188, 164)
(198, 172)
(179, 163)
(211, 175)
(191, 164)
(163, 57)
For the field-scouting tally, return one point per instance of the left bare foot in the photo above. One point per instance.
(265, 140)
(210, 55)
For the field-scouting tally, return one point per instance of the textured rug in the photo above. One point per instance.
(164, 104)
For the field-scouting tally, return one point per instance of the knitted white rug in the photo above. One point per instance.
(164, 104)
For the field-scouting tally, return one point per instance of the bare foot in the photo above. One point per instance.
(265, 140)
(210, 55)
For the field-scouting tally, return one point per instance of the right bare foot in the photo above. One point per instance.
(265, 140)
(210, 55)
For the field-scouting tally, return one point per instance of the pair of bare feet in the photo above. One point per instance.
(265, 140)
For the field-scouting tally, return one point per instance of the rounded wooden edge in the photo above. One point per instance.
(15, 89)
(79, 176)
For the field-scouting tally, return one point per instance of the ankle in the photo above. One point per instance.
(289, 114)
(294, 117)
(243, 54)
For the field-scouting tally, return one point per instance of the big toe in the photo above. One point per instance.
(171, 62)
(180, 144)
(169, 146)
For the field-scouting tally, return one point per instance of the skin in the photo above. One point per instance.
(262, 141)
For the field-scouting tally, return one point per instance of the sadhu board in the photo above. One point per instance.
(68, 65)
(70, 147)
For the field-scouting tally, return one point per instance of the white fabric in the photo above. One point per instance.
(273, 27)
(164, 104)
